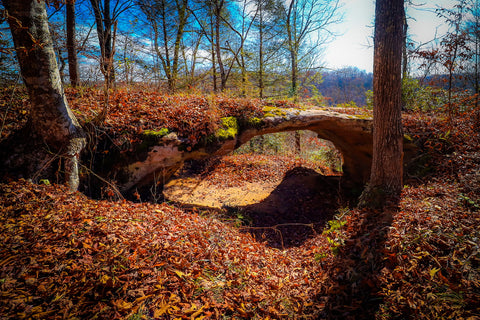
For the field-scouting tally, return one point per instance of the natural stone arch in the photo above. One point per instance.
(351, 135)
(304, 144)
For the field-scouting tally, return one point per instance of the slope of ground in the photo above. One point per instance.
(63, 255)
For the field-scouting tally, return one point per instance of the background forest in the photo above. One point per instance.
(137, 75)
(255, 48)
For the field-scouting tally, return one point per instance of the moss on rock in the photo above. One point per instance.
(270, 111)
(155, 133)
(254, 122)
(151, 138)
(229, 129)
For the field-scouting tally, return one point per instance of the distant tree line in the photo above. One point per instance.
(257, 48)
(252, 47)
(346, 86)
(450, 62)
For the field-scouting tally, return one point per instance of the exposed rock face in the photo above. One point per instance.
(351, 135)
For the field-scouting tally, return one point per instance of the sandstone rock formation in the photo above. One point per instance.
(351, 135)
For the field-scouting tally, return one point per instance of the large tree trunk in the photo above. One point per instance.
(404, 48)
(71, 47)
(53, 132)
(387, 167)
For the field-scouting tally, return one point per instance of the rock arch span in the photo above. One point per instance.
(351, 135)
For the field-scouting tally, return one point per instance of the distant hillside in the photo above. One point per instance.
(350, 84)
(345, 85)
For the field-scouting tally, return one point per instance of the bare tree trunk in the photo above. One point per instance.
(182, 8)
(261, 84)
(477, 75)
(71, 46)
(292, 47)
(214, 64)
(386, 180)
(476, 53)
(53, 131)
(217, 12)
(298, 143)
(243, 70)
(104, 25)
(294, 78)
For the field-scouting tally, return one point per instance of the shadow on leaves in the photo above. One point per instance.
(354, 276)
(297, 209)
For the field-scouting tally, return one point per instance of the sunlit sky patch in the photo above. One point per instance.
(354, 45)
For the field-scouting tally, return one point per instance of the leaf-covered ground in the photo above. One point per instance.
(281, 200)
(63, 255)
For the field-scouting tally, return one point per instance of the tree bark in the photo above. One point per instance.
(104, 25)
(386, 180)
(213, 48)
(261, 84)
(292, 48)
(53, 131)
(71, 47)
(218, 6)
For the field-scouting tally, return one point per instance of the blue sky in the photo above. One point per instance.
(354, 45)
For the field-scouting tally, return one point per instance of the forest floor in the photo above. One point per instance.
(280, 256)
(281, 200)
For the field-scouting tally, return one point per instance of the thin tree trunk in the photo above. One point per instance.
(244, 73)
(214, 64)
(261, 84)
(294, 78)
(190, 74)
(298, 143)
(292, 47)
(104, 25)
(386, 180)
(218, 12)
(451, 69)
(71, 46)
(107, 20)
(477, 75)
(476, 54)
(182, 18)
(166, 53)
(53, 131)
(126, 63)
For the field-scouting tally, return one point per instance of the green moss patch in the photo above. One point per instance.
(151, 138)
(229, 129)
(270, 111)
(154, 133)
(254, 122)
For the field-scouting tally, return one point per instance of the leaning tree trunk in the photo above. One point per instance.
(386, 180)
(52, 135)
